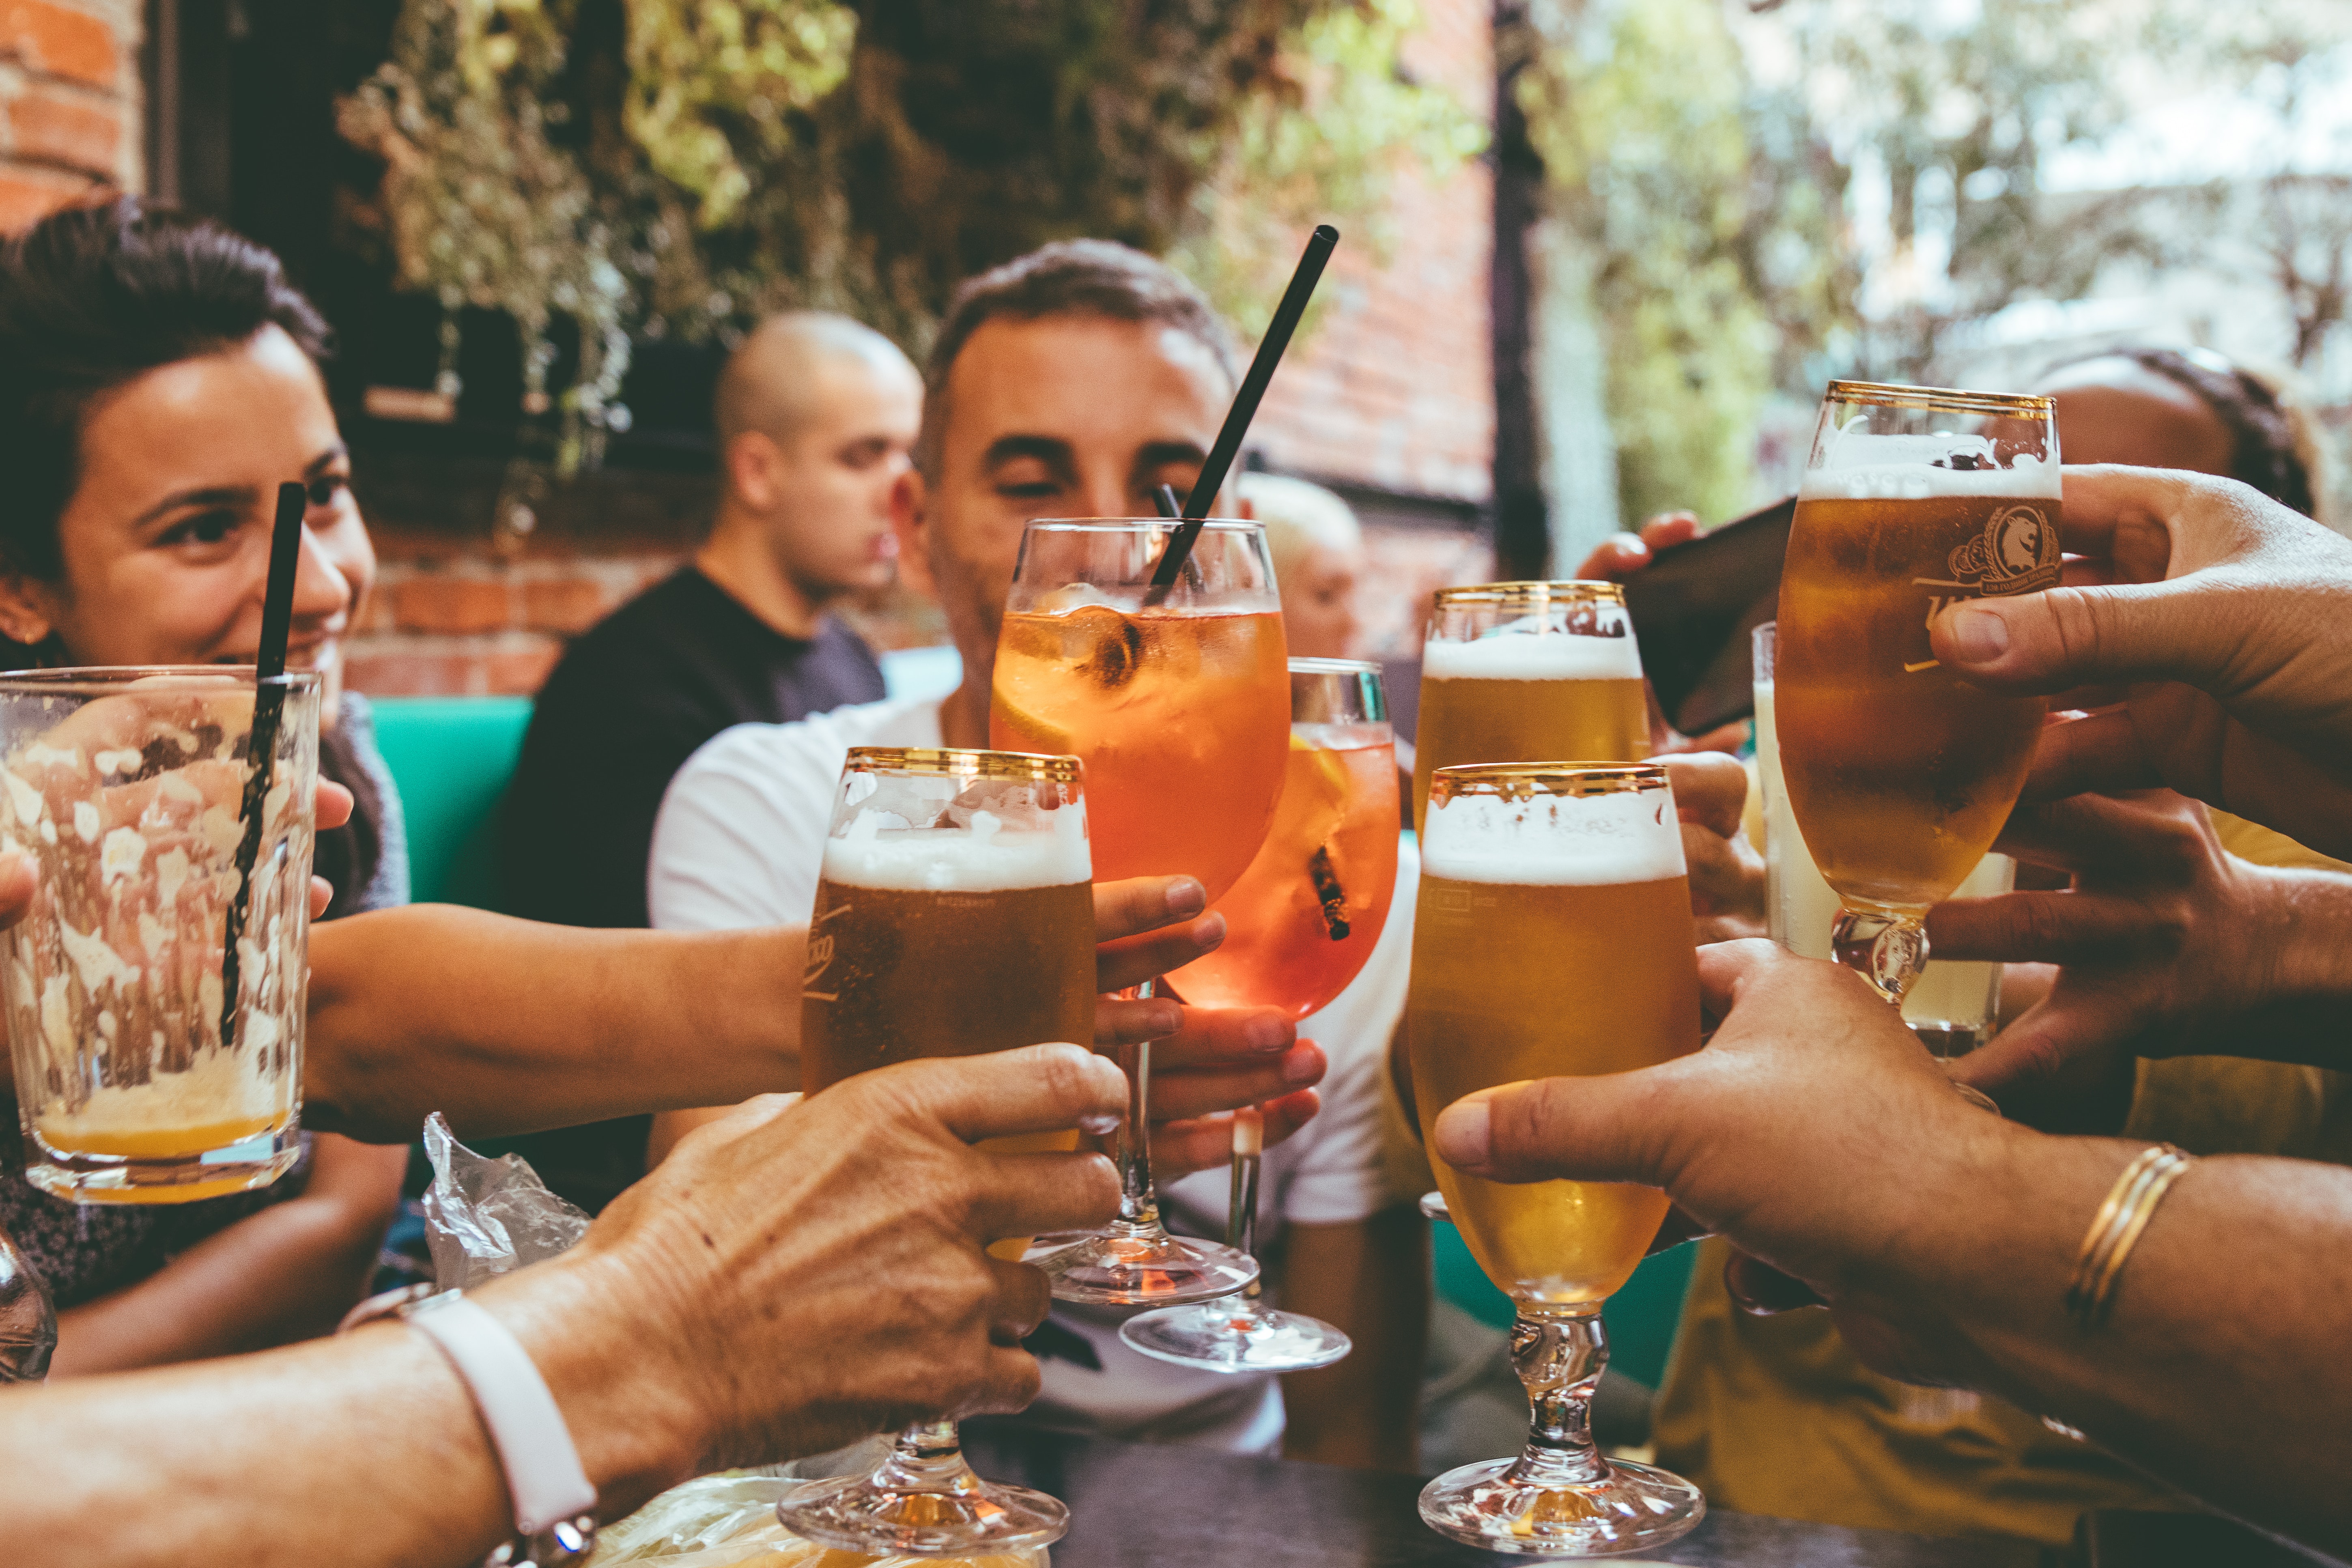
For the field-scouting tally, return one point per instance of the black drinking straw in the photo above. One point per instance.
(261, 743)
(1165, 498)
(1245, 409)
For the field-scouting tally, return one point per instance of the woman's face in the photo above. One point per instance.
(1318, 603)
(166, 540)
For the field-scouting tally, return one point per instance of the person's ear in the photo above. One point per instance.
(28, 611)
(908, 498)
(755, 470)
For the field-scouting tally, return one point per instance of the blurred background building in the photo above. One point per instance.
(1601, 255)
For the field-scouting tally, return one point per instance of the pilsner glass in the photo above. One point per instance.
(1954, 1003)
(1299, 926)
(1182, 711)
(157, 987)
(1900, 772)
(1516, 672)
(955, 917)
(1553, 939)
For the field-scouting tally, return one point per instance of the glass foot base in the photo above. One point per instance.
(1236, 1336)
(983, 1519)
(1146, 1268)
(1500, 1507)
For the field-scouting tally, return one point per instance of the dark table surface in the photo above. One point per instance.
(1135, 1505)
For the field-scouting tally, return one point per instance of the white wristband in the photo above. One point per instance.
(542, 1467)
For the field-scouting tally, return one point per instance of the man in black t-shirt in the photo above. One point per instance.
(815, 417)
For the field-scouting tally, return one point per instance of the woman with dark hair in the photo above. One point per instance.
(158, 381)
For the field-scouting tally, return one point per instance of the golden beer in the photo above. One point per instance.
(1521, 672)
(950, 940)
(1901, 773)
(1553, 939)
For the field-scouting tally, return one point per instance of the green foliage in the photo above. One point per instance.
(729, 158)
(1340, 123)
(1710, 226)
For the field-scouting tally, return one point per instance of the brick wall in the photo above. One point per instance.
(1395, 388)
(68, 102)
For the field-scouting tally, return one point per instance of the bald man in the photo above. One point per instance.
(816, 417)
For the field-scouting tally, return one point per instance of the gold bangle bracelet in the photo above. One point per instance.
(2115, 1229)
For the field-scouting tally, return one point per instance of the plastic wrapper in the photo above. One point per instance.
(729, 1521)
(486, 1217)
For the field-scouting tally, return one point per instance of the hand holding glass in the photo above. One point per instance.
(140, 1078)
(1553, 939)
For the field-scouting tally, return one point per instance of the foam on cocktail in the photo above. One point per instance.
(985, 856)
(1512, 653)
(1875, 470)
(1600, 840)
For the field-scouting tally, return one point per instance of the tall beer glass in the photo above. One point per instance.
(1517, 672)
(1954, 1003)
(1553, 939)
(1182, 711)
(955, 917)
(156, 988)
(1901, 773)
(1299, 926)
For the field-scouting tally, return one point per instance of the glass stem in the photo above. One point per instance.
(1889, 951)
(1138, 1205)
(927, 1458)
(1558, 1353)
(1240, 1213)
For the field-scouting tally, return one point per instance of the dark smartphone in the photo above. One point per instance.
(1693, 608)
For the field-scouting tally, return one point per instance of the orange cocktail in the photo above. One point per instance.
(1308, 911)
(1179, 715)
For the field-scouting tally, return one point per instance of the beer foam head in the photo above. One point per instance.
(1541, 839)
(1523, 650)
(981, 855)
(1882, 467)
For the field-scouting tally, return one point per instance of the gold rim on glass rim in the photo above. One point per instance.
(1532, 596)
(1952, 399)
(1517, 780)
(958, 762)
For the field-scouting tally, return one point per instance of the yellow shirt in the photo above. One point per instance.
(1776, 1415)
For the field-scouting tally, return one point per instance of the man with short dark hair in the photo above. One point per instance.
(1072, 382)
(816, 415)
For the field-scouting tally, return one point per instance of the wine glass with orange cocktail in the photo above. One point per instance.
(1177, 699)
(1299, 926)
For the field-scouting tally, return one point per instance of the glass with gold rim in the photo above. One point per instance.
(1180, 704)
(954, 917)
(1553, 939)
(1516, 672)
(1900, 773)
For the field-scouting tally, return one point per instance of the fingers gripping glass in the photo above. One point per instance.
(1899, 771)
(955, 916)
(1181, 708)
(1552, 939)
(1299, 926)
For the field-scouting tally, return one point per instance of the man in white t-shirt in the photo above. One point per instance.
(1071, 383)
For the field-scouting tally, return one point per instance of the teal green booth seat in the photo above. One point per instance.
(451, 758)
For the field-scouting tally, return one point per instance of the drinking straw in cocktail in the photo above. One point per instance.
(261, 743)
(1245, 409)
(1165, 498)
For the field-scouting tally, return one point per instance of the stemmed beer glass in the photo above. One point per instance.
(1299, 926)
(1180, 705)
(1553, 938)
(1899, 771)
(955, 916)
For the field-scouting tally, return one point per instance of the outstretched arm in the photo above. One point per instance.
(1817, 1135)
